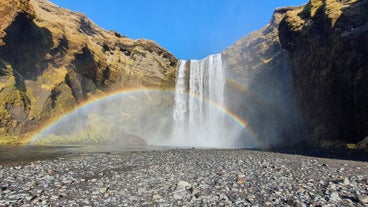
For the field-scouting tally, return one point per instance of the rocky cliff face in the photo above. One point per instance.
(328, 46)
(308, 68)
(260, 87)
(52, 59)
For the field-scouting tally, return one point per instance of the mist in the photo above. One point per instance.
(266, 99)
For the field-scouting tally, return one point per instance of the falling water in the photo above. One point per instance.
(197, 120)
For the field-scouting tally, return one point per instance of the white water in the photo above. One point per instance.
(198, 121)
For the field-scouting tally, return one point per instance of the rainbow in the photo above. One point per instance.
(229, 114)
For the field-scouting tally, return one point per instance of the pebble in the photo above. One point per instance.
(156, 197)
(363, 199)
(183, 185)
(334, 197)
(240, 179)
(185, 177)
(104, 189)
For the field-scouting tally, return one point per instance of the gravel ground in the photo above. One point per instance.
(186, 178)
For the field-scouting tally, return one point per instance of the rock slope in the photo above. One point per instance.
(52, 59)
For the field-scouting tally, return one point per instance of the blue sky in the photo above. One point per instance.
(190, 29)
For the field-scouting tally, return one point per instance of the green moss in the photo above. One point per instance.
(10, 140)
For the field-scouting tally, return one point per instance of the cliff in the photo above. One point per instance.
(259, 86)
(303, 78)
(52, 59)
(328, 47)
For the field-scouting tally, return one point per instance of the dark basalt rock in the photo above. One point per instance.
(328, 46)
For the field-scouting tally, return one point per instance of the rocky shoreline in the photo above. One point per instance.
(185, 177)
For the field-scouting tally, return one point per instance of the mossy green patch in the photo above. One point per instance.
(10, 140)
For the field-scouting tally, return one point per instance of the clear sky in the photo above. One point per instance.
(190, 29)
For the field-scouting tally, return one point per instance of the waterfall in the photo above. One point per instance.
(198, 120)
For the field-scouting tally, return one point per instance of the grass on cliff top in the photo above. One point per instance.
(331, 8)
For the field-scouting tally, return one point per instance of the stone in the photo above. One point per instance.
(183, 185)
(30, 197)
(180, 194)
(363, 198)
(104, 189)
(156, 197)
(346, 181)
(55, 197)
(141, 190)
(123, 193)
(223, 197)
(334, 197)
(241, 179)
(196, 192)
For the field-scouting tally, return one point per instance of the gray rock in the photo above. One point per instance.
(334, 197)
(346, 181)
(196, 191)
(104, 189)
(363, 198)
(183, 185)
(180, 194)
(156, 197)
(54, 197)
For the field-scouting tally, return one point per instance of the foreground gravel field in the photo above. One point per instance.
(186, 178)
